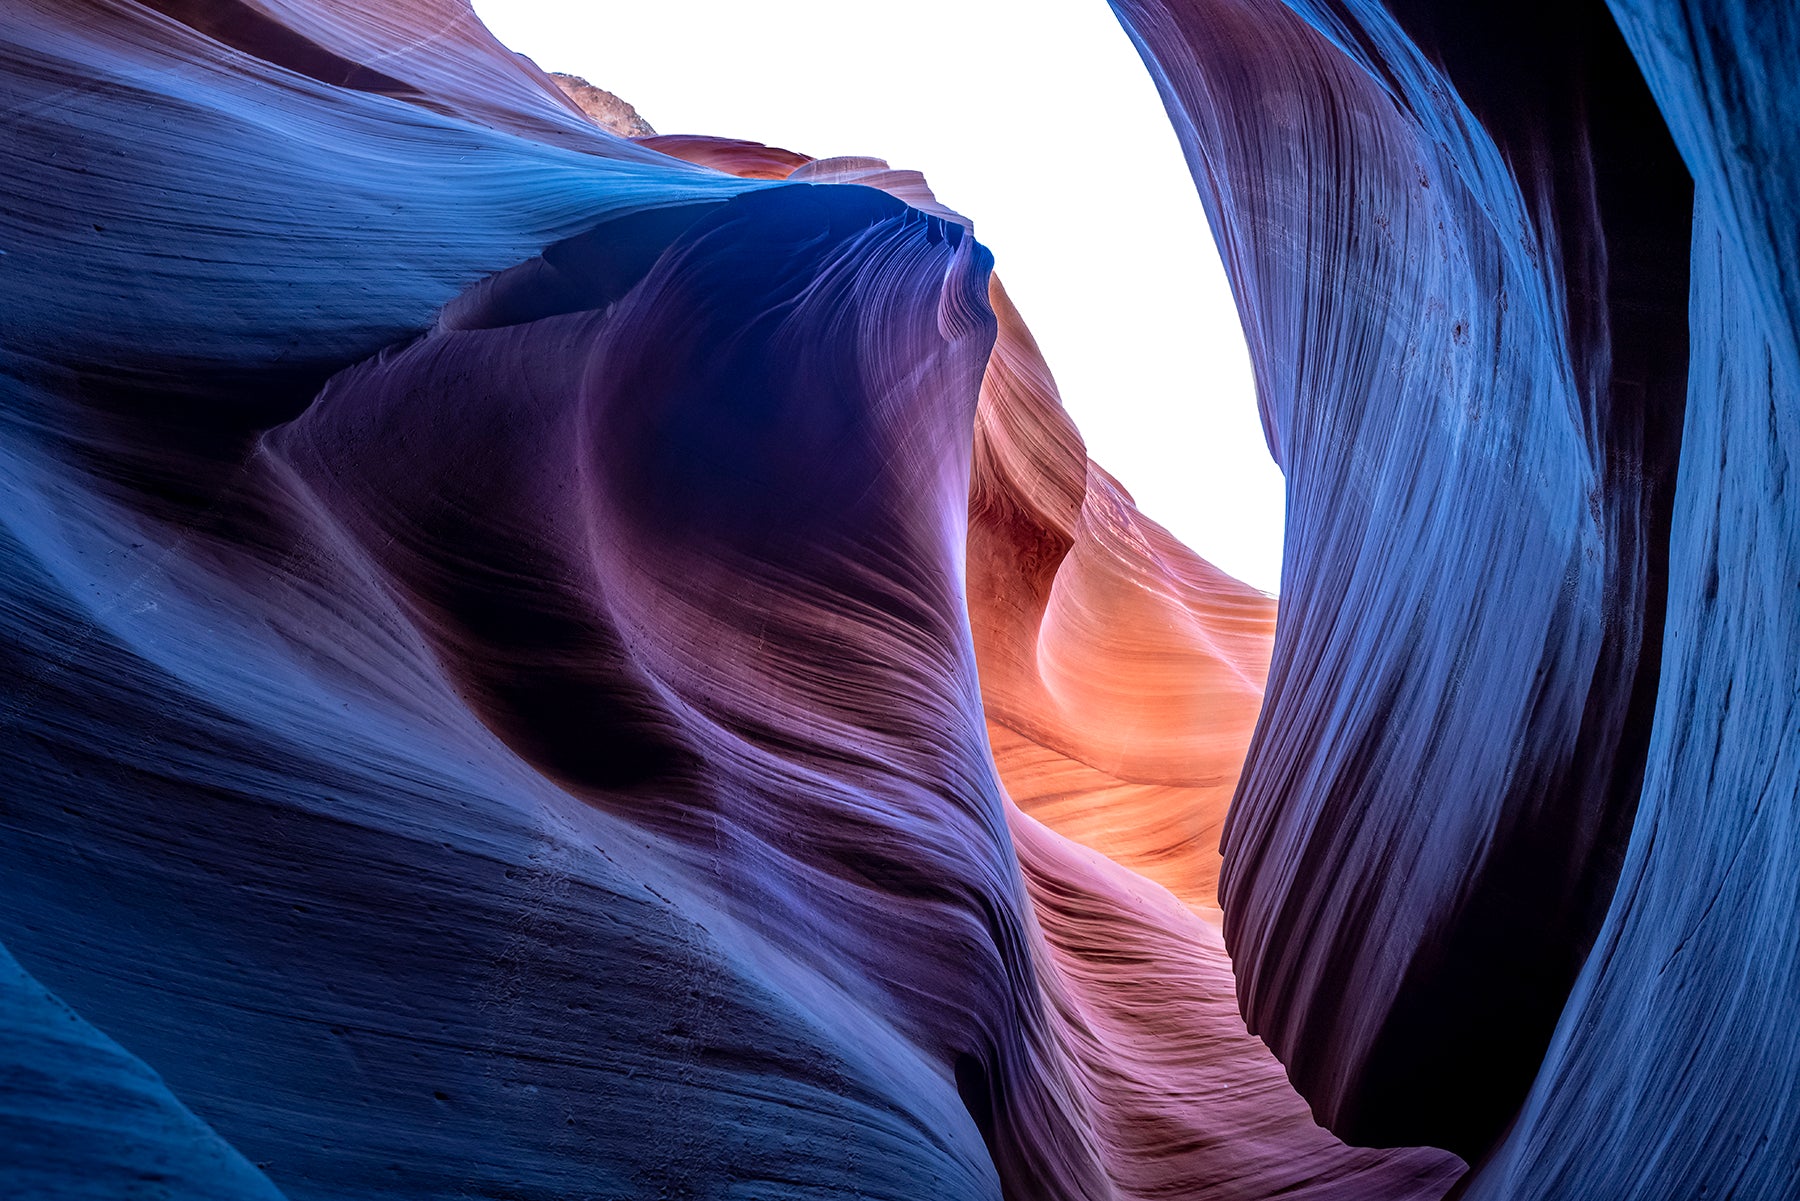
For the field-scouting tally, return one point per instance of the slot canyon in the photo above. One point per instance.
(541, 659)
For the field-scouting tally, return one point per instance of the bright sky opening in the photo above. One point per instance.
(1041, 125)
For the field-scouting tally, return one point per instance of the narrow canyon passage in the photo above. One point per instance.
(545, 660)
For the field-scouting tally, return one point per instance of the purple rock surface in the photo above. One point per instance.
(519, 647)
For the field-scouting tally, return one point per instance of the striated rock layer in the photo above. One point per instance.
(1510, 866)
(1121, 674)
(1672, 1069)
(1457, 241)
(80, 1117)
(492, 705)
(539, 664)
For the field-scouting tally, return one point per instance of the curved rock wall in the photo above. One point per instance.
(81, 1117)
(1120, 672)
(492, 705)
(1473, 381)
(1672, 1070)
(1436, 808)
(543, 665)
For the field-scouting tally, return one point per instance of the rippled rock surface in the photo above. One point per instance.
(492, 701)
(1510, 867)
(542, 664)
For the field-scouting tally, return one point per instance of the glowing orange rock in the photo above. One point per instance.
(1121, 672)
(749, 160)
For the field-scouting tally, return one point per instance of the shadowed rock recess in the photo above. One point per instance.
(541, 663)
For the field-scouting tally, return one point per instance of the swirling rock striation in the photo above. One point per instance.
(1522, 657)
(1672, 1070)
(545, 664)
(1120, 673)
(492, 705)
(1456, 242)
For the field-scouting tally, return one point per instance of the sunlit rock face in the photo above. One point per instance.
(603, 108)
(1121, 673)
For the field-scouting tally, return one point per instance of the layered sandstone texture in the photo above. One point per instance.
(541, 663)
(492, 700)
(1510, 869)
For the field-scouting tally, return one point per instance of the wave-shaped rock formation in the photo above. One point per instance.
(1460, 256)
(542, 664)
(1523, 787)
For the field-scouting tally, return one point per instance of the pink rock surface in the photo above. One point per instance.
(1121, 673)
(733, 156)
(1185, 1102)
